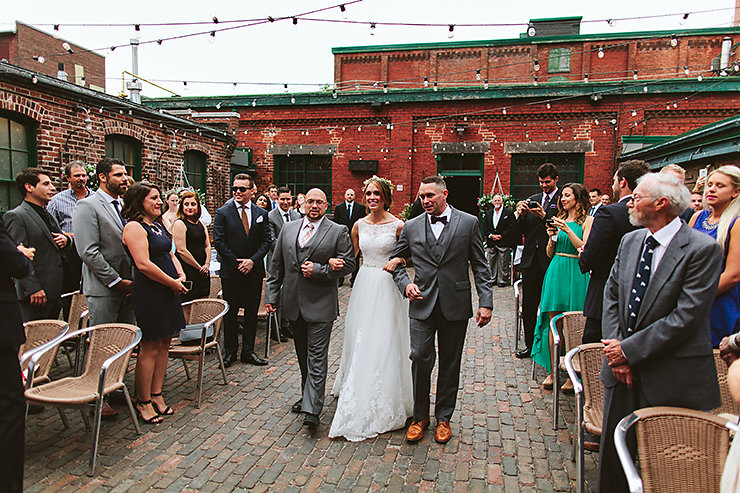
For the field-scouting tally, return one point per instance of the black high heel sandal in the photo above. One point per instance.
(168, 410)
(154, 420)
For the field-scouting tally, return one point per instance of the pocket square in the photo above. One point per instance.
(260, 219)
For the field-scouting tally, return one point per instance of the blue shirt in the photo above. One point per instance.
(61, 206)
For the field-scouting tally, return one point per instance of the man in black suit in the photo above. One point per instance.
(611, 223)
(532, 214)
(242, 237)
(12, 403)
(348, 213)
(501, 228)
(32, 225)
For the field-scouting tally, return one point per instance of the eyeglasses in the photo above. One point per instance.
(318, 202)
(637, 198)
(239, 189)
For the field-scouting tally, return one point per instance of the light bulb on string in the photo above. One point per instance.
(645, 89)
(675, 104)
(699, 78)
(503, 111)
(634, 75)
(137, 31)
(294, 27)
(596, 121)
(426, 81)
(334, 93)
(536, 65)
(39, 59)
(684, 19)
(485, 84)
(34, 79)
(385, 88)
(435, 86)
(343, 10)
(634, 113)
(674, 40)
(686, 70)
(535, 80)
(548, 106)
(451, 31)
(372, 29)
(477, 74)
(611, 22)
(254, 103)
(212, 37)
(585, 78)
(600, 54)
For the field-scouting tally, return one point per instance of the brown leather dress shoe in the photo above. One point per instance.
(416, 430)
(443, 433)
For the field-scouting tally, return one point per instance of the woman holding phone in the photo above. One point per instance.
(157, 286)
(564, 287)
(193, 246)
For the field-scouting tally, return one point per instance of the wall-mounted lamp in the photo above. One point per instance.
(460, 128)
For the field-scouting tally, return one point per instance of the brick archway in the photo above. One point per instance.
(22, 105)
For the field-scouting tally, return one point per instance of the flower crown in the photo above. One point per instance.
(386, 181)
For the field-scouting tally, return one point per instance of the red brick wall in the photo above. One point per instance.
(55, 120)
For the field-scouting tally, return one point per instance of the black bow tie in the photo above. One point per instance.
(439, 219)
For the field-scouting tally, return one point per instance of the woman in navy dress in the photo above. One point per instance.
(157, 286)
(722, 196)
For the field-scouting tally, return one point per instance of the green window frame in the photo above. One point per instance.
(17, 152)
(302, 173)
(558, 60)
(524, 180)
(194, 167)
(128, 150)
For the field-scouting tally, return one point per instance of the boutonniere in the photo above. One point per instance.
(260, 219)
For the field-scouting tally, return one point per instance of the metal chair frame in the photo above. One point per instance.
(518, 321)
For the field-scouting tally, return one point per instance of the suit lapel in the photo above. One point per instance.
(317, 237)
(451, 230)
(659, 277)
(103, 199)
(28, 210)
(426, 229)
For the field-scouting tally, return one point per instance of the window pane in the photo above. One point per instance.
(20, 161)
(458, 162)
(4, 135)
(9, 196)
(524, 171)
(18, 136)
(5, 171)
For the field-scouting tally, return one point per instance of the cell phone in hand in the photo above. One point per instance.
(550, 222)
(533, 204)
(188, 285)
(703, 172)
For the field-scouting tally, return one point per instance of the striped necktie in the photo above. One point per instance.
(307, 234)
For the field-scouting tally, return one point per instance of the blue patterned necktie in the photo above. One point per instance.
(642, 279)
(117, 207)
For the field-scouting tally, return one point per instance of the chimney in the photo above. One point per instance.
(61, 74)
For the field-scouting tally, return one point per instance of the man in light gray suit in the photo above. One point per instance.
(656, 317)
(308, 259)
(442, 243)
(279, 216)
(30, 224)
(98, 226)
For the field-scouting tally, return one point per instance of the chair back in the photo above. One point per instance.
(590, 358)
(681, 449)
(38, 333)
(205, 310)
(106, 340)
(728, 404)
(215, 290)
(77, 311)
(573, 324)
(262, 311)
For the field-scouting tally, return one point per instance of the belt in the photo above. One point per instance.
(567, 255)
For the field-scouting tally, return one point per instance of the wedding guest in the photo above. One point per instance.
(192, 245)
(722, 195)
(262, 201)
(158, 282)
(697, 201)
(170, 215)
(606, 199)
(272, 194)
(564, 287)
(500, 228)
(680, 173)
(594, 198)
(300, 201)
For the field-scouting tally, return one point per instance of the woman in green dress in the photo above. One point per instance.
(564, 287)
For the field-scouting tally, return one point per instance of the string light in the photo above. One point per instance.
(435, 86)
(674, 40)
(686, 70)
(39, 59)
(385, 88)
(372, 29)
(426, 81)
(254, 103)
(477, 74)
(699, 78)
(585, 78)
(634, 75)
(485, 84)
(536, 65)
(600, 54)
(451, 31)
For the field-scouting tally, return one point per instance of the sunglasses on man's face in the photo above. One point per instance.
(239, 189)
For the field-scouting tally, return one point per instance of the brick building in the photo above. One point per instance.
(47, 122)
(472, 111)
(33, 49)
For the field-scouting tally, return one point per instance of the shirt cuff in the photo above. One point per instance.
(118, 279)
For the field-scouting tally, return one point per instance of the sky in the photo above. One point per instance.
(262, 58)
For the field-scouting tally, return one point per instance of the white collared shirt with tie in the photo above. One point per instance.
(302, 234)
(246, 209)
(438, 226)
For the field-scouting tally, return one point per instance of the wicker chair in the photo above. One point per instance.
(215, 291)
(105, 366)
(41, 334)
(728, 406)
(589, 398)
(570, 325)
(209, 312)
(77, 319)
(271, 319)
(678, 449)
(518, 323)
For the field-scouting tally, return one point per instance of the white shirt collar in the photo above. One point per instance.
(316, 224)
(625, 198)
(239, 206)
(446, 213)
(108, 197)
(665, 234)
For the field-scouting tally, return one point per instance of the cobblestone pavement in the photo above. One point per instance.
(244, 436)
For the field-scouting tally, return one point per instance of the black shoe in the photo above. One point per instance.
(274, 337)
(311, 420)
(253, 359)
(296, 408)
(229, 360)
(287, 332)
(524, 353)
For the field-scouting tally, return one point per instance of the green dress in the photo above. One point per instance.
(563, 290)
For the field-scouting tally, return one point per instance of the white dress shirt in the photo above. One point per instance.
(306, 222)
(497, 216)
(247, 209)
(664, 236)
(438, 226)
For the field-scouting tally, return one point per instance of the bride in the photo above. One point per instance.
(374, 378)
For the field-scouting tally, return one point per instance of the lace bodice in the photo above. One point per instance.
(377, 242)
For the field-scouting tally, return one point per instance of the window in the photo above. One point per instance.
(195, 170)
(17, 152)
(459, 162)
(559, 60)
(302, 173)
(126, 149)
(524, 171)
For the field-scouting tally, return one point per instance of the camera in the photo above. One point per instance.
(533, 204)
(550, 221)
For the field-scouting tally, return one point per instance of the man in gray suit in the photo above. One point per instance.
(32, 225)
(442, 243)
(656, 317)
(279, 216)
(309, 256)
(98, 226)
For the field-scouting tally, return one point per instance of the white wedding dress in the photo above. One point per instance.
(374, 378)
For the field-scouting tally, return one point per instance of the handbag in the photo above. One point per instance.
(190, 334)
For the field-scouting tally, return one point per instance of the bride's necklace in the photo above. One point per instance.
(709, 226)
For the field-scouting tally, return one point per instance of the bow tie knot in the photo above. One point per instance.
(439, 219)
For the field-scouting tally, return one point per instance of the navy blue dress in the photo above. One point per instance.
(157, 309)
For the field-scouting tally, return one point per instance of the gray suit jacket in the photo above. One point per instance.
(670, 353)
(275, 217)
(316, 298)
(445, 278)
(98, 234)
(26, 227)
